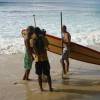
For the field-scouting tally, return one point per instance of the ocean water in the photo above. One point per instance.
(82, 18)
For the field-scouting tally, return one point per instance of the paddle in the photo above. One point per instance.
(61, 31)
(34, 20)
(62, 40)
(61, 37)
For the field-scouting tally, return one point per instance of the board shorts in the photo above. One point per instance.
(27, 61)
(65, 55)
(42, 67)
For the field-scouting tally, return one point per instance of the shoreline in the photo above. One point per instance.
(83, 82)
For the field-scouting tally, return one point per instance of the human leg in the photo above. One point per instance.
(46, 71)
(63, 65)
(24, 77)
(38, 67)
(40, 82)
(67, 65)
(49, 82)
(27, 74)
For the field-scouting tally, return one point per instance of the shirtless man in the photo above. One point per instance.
(66, 38)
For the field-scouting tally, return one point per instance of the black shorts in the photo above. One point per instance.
(42, 68)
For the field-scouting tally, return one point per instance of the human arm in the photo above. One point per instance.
(46, 43)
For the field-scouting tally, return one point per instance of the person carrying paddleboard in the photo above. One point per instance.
(66, 39)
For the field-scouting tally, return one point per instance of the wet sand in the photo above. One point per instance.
(83, 82)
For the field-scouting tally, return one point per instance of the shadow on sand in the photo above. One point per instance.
(78, 91)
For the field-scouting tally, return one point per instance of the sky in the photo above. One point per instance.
(37, 0)
(14, 0)
(25, 0)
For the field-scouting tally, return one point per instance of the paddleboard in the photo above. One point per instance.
(77, 52)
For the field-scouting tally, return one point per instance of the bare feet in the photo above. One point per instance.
(27, 79)
(51, 89)
(24, 78)
(41, 89)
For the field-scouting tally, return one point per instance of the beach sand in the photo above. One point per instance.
(83, 81)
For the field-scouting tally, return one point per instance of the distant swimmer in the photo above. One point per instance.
(66, 38)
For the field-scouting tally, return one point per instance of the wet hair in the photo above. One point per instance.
(64, 28)
(38, 31)
(30, 30)
(43, 31)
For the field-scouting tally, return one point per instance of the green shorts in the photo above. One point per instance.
(27, 61)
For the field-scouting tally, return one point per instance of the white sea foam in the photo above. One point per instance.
(82, 20)
(11, 46)
(87, 39)
(16, 45)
